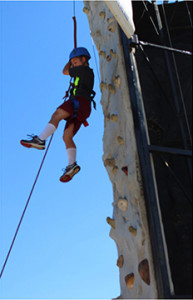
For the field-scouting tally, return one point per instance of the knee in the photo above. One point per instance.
(56, 115)
(67, 137)
(56, 118)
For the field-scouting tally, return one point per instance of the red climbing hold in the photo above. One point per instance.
(125, 170)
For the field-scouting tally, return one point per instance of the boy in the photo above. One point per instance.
(75, 110)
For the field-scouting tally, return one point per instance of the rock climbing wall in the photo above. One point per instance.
(129, 228)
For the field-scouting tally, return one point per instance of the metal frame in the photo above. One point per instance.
(146, 152)
(173, 87)
(157, 237)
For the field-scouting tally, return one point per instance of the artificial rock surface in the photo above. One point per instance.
(129, 228)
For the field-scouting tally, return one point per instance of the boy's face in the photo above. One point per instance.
(77, 61)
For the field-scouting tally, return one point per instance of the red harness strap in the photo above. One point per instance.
(85, 123)
(75, 39)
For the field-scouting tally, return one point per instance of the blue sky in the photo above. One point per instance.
(63, 249)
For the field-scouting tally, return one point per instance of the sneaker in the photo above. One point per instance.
(35, 142)
(69, 172)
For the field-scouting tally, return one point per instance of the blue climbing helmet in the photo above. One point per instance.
(80, 51)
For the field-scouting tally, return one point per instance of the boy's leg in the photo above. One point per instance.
(51, 127)
(38, 142)
(70, 145)
(48, 130)
(72, 168)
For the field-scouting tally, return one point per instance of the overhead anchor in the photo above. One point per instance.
(133, 42)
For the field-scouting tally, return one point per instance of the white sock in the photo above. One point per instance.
(48, 130)
(71, 153)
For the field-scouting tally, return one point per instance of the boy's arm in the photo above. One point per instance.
(66, 69)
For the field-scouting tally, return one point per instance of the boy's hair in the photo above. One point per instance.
(86, 59)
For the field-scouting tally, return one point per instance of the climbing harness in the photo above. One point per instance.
(76, 103)
(71, 85)
(76, 106)
(26, 206)
(76, 52)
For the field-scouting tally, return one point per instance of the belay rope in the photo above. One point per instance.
(26, 206)
(40, 168)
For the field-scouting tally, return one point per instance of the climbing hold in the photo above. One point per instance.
(129, 280)
(113, 53)
(114, 170)
(86, 10)
(98, 47)
(114, 118)
(112, 89)
(98, 33)
(109, 162)
(108, 57)
(125, 220)
(107, 118)
(103, 85)
(102, 53)
(144, 271)
(133, 230)
(111, 222)
(120, 261)
(102, 14)
(117, 81)
(125, 170)
(109, 20)
(120, 140)
(112, 26)
(120, 297)
(123, 204)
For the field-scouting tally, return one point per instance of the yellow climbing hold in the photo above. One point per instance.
(86, 10)
(102, 14)
(112, 89)
(111, 222)
(109, 20)
(114, 118)
(102, 53)
(114, 54)
(109, 162)
(114, 170)
(120, 140)
(108, 58)
(107, 118)
(133, 230)
(129, 280)
(117, 81)
(120, 261)
(103, 85)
